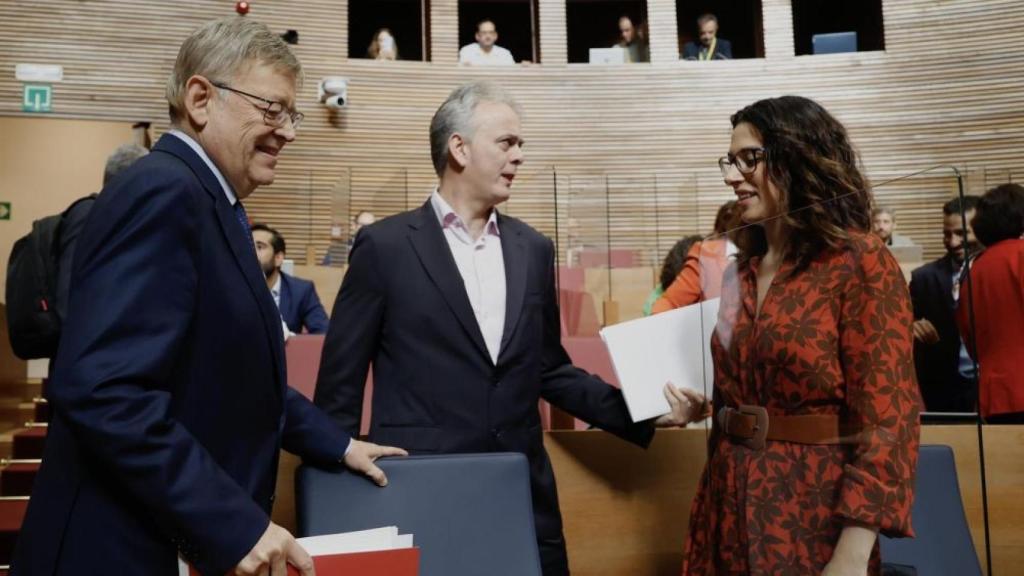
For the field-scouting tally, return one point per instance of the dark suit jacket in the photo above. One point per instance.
(300, 306)
(169, 402)
(997, 288)
(723, 50)
(404, 308)
(931, 291)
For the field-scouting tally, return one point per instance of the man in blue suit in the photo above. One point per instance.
(295, 298)
(945, 372)
(170, 402)
(454, 305)
(710, 47)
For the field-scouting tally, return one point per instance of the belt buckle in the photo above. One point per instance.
(760, 413)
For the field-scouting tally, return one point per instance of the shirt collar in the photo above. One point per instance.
(447, 217)
(213, 168)
(276, 290)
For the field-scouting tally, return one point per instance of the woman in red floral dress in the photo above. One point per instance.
(814, 446)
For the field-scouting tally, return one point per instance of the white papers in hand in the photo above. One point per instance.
(668, 347)
(386, 538)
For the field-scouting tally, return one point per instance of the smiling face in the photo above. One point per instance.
(757, 197)
(492, 155)
(231, 129)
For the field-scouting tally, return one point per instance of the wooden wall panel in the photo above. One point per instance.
(553, 49)
(662, 28)
(941, 94)
(444, 31)
(777, 16)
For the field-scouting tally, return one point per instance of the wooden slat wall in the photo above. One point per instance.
(553, 49)
(942, 93)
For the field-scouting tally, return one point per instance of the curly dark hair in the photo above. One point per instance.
(809, 157)
(675, 259)
(1000, 214)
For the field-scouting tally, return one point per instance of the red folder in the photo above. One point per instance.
(401, 562)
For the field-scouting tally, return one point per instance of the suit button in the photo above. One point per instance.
(497, 383)
(273, 497)
(496, 433)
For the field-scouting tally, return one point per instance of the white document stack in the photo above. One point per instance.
(671, 347)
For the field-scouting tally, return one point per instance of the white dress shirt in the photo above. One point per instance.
(481, 264)
(475, 55)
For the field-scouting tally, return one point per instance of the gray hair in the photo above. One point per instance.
(455, 116)
(123, 157)
(220, 49)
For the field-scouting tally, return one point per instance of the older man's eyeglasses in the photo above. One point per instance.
(745, 160)
(274, 113)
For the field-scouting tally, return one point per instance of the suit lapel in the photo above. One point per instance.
(945, 279)
(432, 249)
(285, 297)
(513, 250)
(241, 247)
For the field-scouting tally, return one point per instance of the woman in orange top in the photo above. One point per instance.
(701, 275)
(814, 444)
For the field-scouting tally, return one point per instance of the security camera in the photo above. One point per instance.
(333, 91)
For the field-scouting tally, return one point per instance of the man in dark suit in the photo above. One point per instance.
(710, 47)
(169, 403)
(454, 305)
(296, 298)
(944, 370)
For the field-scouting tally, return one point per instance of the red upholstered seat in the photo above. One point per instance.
(12, 514)
(16, 479)
(28, 443)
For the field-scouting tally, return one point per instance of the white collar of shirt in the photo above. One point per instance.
(448, 219)
(276, 290)
(213, 168)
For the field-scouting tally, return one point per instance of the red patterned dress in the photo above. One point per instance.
(834, 338)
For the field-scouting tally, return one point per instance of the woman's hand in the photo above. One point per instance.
(687, 406)
(853, 551)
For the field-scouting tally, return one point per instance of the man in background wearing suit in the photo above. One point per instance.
(295, 298)
(454, 305)
(710, 47)
(170, 403)
(945, 371)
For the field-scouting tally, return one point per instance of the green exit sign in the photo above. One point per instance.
(37, 98)
(5, 210)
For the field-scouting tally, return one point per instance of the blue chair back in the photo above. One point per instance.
(469, 514)
(943, 542)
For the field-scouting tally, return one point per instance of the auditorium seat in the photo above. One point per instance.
(469, 514)
(12, 513)
(17, 477)
(942, 542)
(40, 410)
(28, 443)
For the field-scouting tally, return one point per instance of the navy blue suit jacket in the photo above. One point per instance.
(169, 402)
(403, 307)
(300, 306)
(723, 50)
(937, 365)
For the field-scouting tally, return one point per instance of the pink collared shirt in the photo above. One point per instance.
(481, 264)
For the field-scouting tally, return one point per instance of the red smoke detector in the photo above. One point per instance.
(242, 7)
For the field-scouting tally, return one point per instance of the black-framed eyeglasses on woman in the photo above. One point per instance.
(745, 160)
(274, 113)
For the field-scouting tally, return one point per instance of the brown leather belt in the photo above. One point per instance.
(752, 426)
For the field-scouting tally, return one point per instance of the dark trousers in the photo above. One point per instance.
(553, 559)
